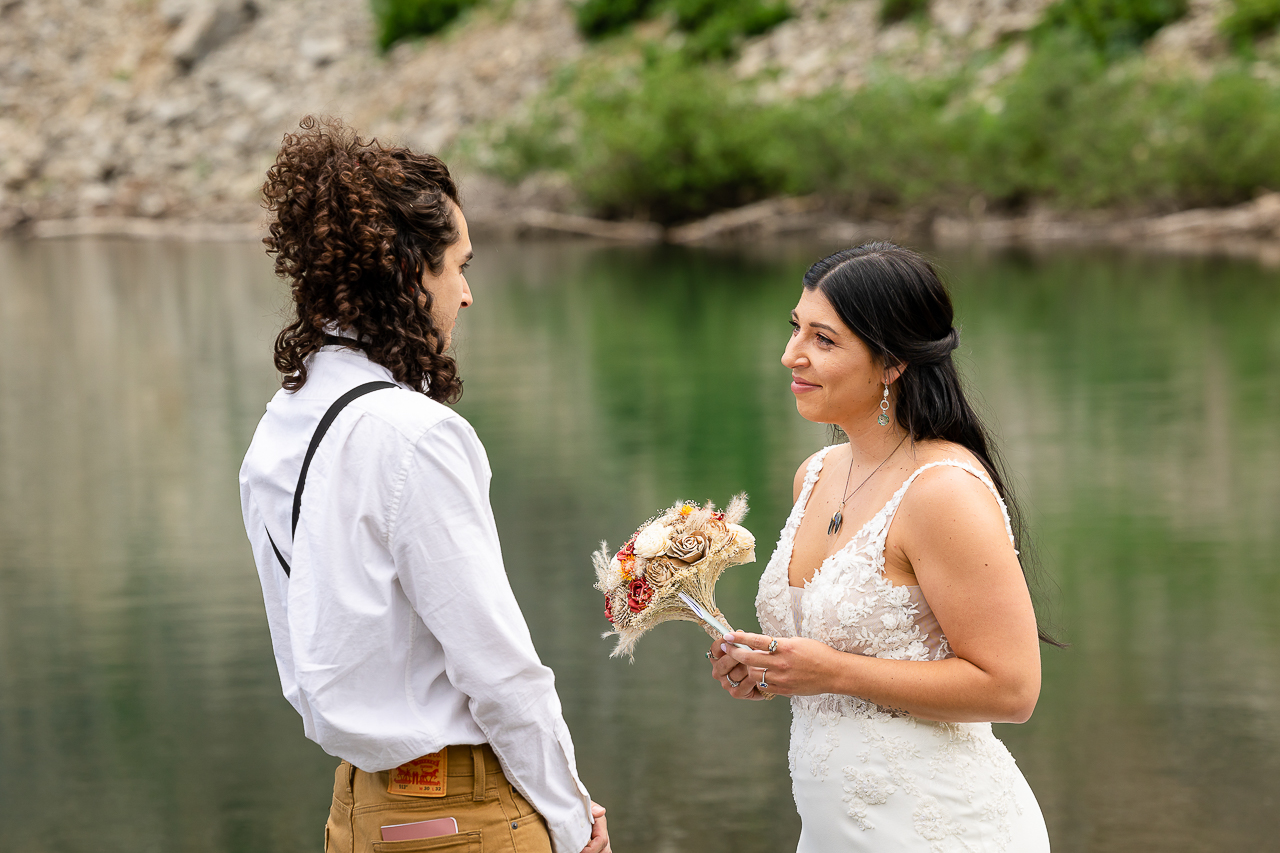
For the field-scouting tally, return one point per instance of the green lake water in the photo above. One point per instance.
(1137, 398)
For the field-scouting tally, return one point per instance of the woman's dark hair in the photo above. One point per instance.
(355, 226)
(893, 300)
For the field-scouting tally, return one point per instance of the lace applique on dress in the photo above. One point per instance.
(851, 606)
(931, 820)
(863, 789)
(773, 603)
(848, 603)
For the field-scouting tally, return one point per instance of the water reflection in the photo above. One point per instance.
(1136, 396)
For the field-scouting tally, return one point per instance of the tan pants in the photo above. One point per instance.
(491, 814)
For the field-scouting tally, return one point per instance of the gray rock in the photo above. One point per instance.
(207, 25)
(171, 111)
(18, 70)
(173, 11)
(321, 51)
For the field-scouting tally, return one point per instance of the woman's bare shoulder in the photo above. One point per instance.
(945, 493)
(933, 450)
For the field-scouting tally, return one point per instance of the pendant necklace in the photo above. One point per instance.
(838, 519)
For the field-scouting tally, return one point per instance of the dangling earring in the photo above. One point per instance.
(883, 420)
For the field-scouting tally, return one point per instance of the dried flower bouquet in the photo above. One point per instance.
(668, 570)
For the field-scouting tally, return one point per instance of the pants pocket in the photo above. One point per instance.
(530, 834)
(459, 842)
(522, 806)
(337, 830)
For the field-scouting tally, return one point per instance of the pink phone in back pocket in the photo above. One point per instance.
(421, 829)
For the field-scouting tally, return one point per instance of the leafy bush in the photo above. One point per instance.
(668, 141)
(714, 27)
(1249, 20)
(1076, 134)
(673, 140)
(401, 19)
(598, 18)
(1030, 131)
(1113, 27)
(892, 11)
(885, 144)
(1226, 138)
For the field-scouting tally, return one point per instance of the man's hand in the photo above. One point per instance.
(599, 842)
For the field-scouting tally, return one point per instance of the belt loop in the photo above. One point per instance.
(478, 780)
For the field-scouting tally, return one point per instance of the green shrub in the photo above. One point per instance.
(892, 11)
(1228, 134)
(599, 18)
(667, 141)
(713, 27)
(679, 142)
(1029, 131)
(1076, 134)
(1250, 20)
(401, 19)
(673, 140)
(887, 144)
(1114, 27)
(716, 26)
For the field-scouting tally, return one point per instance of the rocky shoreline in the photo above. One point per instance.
(1247, 230)
(174, 109)
(156, 119)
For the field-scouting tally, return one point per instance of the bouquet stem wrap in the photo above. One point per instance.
(684, 549)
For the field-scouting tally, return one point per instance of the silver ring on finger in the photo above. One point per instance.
(773, 645)
(709, 657)
(732, 683)
(764, 685)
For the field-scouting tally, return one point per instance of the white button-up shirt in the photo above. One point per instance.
(397, 633)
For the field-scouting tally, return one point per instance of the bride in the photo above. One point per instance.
(895, 611)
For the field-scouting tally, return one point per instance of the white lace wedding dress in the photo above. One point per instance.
(869, 778)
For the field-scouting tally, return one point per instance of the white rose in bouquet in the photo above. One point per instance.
(652, 541)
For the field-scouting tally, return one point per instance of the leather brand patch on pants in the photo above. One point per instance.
(422, 777)
(479, 798)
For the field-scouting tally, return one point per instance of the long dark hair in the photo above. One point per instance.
(894, 301)
(356, 223)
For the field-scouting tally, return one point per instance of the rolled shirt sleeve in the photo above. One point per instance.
(444, 544)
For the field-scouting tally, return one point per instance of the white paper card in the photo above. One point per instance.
(701, 613)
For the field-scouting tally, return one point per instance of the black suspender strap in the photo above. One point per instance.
(336, 341)
(321, 428)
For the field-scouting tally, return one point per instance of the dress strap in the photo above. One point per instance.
(811, 473)
(810, 477)
(891, 509)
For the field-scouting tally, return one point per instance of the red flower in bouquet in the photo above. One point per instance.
(639, 594)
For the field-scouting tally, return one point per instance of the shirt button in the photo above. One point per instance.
(515, 825)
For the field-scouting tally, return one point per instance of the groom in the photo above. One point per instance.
(366, 500)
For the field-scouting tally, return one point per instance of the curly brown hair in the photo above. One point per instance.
(356, 224)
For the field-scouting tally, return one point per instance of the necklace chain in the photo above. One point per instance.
(837, 520)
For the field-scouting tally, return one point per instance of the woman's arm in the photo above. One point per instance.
(950, 532)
